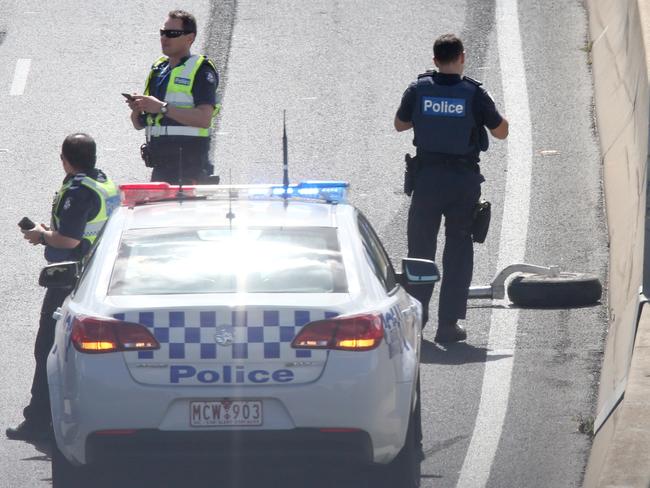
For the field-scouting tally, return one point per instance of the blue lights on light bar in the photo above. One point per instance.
(330, 191)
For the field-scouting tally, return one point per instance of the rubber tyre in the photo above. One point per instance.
(404, 471)
(563, 291)
(66, 475)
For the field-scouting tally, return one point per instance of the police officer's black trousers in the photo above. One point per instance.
(192, 164)
(38, 410)
(449, 190)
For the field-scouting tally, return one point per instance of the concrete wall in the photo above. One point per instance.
(620, 456)
(620, 32)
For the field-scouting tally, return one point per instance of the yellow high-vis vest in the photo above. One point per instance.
(109, 198)
(179, 94)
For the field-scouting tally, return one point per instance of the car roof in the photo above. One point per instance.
(238, 213)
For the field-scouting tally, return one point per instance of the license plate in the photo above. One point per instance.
(226, 413)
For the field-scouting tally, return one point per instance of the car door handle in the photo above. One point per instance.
(56, 315)
(410, 310)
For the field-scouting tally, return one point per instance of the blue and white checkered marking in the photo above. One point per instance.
(257, 334)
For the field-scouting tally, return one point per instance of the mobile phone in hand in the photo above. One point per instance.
(26, 224)
(130, 98)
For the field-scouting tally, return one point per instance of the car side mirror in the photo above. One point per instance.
(60, 275)
(418, 272)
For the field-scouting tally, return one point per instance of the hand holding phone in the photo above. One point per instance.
(130, 98)
(26, 224)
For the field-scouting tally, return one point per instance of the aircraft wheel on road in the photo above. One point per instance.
(562, 291)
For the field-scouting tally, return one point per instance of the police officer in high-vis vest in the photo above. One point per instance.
(80, 209)
(448, 113)
(178, 106)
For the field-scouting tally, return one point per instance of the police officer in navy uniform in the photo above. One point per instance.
(448, 113)
(81, 207)
(178, 106)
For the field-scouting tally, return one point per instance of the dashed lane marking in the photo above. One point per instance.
(20, 76)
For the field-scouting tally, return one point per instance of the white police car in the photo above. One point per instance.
(236, 321)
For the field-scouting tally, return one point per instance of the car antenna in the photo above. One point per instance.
(180, 193)
(285, 157)
(230, 215)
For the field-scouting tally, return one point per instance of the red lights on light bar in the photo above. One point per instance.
(137, 193)
(353, 333)
(101, 335)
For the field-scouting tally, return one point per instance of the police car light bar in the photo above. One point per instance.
(141, 193)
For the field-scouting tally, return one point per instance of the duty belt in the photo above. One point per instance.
(447, 160)
(171, 130)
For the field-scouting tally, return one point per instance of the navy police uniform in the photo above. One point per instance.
(165, 151)
(72, 210)
(449, 115)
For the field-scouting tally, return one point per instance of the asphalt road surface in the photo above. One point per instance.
(502, 409)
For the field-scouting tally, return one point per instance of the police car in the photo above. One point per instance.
(241, 321)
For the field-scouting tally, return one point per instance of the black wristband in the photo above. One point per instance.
(43, 241)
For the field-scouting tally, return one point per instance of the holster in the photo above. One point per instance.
(145, 154)
(410, 173)
(481, 221)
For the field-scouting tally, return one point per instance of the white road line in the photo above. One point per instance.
(20, 77)
(512, 248)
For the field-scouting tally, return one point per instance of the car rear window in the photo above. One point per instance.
(222, 260)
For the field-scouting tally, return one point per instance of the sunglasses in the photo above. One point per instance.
(172, 33)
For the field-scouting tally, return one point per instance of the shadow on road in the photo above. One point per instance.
(244, 476)
(172, 474)
(458, 353)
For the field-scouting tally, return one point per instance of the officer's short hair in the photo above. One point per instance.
(80, 151)
(447, 48)
(189, 21)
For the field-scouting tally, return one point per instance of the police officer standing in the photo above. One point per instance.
(81, 207)
(448, 113)
(178, 106)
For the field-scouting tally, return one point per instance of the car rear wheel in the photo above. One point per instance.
(67, 475)
(404, 470)
(563, 290)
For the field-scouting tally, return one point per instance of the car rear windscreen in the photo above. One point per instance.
(221, 260)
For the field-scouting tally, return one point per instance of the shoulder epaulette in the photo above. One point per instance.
(472, 81)
(210, 63)
(158, 61)
(76, 181)
(427, 73)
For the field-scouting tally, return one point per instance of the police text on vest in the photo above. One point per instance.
(443, 107)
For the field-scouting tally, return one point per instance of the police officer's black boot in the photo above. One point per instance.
(449, 331)
(29, 431)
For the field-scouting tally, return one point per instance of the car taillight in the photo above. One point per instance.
(100, 335)
(354, 333)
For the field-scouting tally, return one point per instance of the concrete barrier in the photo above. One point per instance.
(621, 455)
(620, 32)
